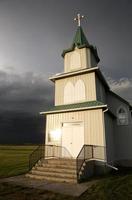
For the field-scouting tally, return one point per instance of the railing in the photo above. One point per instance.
(50, 151)
(46, 151)
(35, 156)
(89, 152)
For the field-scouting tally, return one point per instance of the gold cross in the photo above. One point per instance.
(78, 19)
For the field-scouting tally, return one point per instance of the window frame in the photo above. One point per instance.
(124, 117)
(72, 92)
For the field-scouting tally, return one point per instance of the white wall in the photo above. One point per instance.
(77, 59)
(89, 82)
(109, 135)
(122, 133)
(93, 124)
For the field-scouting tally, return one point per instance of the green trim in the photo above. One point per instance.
(75, 106)
(80, 41)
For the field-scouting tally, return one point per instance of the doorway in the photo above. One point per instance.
(73, 137)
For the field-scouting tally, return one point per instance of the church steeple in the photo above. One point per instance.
(87, 54)
(80, 41)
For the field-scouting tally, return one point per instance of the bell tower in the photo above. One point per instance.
(81, 55)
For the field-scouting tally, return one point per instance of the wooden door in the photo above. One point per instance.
(73, 137)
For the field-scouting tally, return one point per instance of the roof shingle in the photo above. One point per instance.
(75, 106)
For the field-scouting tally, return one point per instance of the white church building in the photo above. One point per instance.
(88, 121)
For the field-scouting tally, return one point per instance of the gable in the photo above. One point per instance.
(115, 102)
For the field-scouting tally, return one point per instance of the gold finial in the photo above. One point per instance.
(78, 19)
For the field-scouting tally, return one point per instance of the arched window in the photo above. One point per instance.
(80, 91)
(75, 60)
(122, 116)
(68, 93)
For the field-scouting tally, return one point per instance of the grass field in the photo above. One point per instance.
(14, 161)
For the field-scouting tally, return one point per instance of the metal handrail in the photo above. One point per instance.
(46, 151)
(89, 152)
(35, 156)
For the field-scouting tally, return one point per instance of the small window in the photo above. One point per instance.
(73, 93)
(122, 116)
(69, 93)
(79, 91)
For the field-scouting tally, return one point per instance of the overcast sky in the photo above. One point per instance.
(33, 34)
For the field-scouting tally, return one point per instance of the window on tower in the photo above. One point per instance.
(73, 94)
(69, 93)
(79, 91)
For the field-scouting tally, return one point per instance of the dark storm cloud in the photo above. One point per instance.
(22, 97)
(24, 92)
(21, 128)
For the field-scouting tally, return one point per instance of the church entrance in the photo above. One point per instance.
(73, 137)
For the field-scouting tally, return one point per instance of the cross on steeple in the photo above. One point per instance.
(78, 19)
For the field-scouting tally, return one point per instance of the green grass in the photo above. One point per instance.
(111, 187)
(14, 159)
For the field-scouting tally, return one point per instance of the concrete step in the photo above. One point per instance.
(60, 161)
(53, 174)
(54, 179)
(58, 170)
(60, 166)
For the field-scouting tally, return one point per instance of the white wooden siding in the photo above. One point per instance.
(83, 61)
(93, 124)
(115, 103)
(75, 61)
(122, 134)
(109, 135)
(89, 82)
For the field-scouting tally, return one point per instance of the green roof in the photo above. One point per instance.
(80, 41)
(75, 106)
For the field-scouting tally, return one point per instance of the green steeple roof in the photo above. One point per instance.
(80, 41)
(80, 38)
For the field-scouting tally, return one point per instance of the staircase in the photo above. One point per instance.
(55, 169)
(55, 163)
